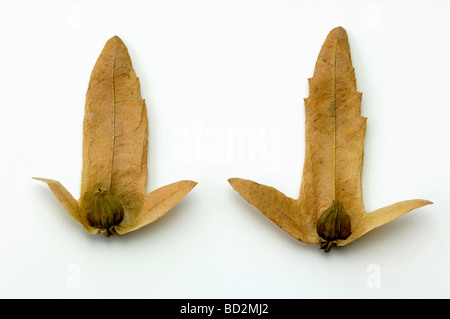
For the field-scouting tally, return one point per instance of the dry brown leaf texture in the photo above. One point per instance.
(115, 140)
(334, 147)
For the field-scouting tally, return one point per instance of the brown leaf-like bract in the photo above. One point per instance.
(115, 140)
(334, 147)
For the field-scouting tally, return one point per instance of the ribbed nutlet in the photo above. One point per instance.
(334, 224)
(105, 212)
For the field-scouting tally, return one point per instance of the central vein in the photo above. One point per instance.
(334, 121)
(113, 114)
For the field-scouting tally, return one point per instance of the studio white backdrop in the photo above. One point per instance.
(224, 83)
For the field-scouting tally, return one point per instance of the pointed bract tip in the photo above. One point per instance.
(336, 32)
(422, 202)
(114, 40)
(194, 183)
(189, 184)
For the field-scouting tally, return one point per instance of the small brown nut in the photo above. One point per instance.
(332, 225)
(105, 212)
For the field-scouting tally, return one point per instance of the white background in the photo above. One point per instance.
(224, 83)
